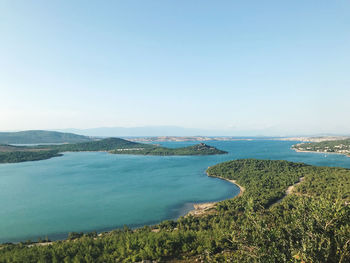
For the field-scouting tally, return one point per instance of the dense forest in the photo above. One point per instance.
(337, 146)
(22, 156)
(15, 154)
(310, 225)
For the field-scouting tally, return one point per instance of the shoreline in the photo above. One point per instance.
(200, 209)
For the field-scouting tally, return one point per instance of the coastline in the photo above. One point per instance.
(200, 209)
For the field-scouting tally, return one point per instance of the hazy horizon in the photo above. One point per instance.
(258, 67)
(155, 131)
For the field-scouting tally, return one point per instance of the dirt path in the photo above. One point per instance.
(288, 191)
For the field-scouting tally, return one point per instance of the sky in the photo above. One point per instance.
(282, 67)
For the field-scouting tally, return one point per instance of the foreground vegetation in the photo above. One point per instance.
(310, 225)
(337, 146)
(15, 154)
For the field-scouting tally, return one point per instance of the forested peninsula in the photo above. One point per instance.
(13, 154)
(16, 154)
(312, 224)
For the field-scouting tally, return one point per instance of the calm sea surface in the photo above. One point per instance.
(101, 191)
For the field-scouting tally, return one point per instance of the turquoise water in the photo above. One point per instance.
(100, 191)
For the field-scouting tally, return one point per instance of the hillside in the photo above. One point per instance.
(312, 224)
(38, 136)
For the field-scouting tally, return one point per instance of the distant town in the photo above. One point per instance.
(329, 146)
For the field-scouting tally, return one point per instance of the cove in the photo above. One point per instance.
(99, 191)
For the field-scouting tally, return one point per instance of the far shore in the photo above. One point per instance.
(300, 151)
(209, 207)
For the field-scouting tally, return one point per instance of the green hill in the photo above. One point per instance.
(312, 224)
(38, 136)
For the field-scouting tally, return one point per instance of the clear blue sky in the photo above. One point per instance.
(282, 66)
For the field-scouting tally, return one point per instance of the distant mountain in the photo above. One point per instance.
(147, 131)
(38, 136)
(154, 131)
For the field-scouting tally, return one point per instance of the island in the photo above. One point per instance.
(279, 217)
(13, 154)
(198, 149)
(333, 146)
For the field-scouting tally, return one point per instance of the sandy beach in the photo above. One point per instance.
(209, 208)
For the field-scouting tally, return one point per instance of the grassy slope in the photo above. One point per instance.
(311, 225)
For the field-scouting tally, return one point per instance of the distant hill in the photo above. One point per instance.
(151, 131)
(121, 146)
(38, 136)
(99, 145)
(198, 149)
(141, 131)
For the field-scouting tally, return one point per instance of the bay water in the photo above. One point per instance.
(97, 191)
